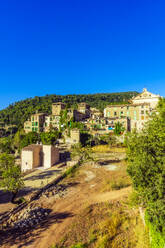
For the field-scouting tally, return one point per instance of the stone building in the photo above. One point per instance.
(125, 121)
(50, 155)
(146, 97)
(31, 157)
(36, 123)
(95, 113)
(34, 156)
(138, 111)
(74, 137)
(84, 108)
(51, 121)
(57, 108)
(41, 122)
(28, 126)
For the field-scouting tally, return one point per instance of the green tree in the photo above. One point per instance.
(118, 128)
(28, 139)
(147, 168)
(108, 139)
(11, 179)
(49, 138)
(84, 153)
(18, 138)
(6, 145)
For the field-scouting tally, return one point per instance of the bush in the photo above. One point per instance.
(116, 184)
(157, 239)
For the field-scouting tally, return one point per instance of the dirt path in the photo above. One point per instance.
(112, 195)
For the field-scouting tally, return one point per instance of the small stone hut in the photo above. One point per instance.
(34, 156)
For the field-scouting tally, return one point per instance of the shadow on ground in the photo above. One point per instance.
(5, 197)
(23, 237)
(107, 162)
(42, 175)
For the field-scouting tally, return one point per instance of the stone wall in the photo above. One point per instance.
(26, 160)
(37, 156)
(50, 156)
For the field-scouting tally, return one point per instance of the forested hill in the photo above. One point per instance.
(18, 112)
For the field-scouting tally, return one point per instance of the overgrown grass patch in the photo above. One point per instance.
(116, 183)
(106, 225)
(107, 149)
(70, 172)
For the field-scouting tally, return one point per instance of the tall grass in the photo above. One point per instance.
(107, 148)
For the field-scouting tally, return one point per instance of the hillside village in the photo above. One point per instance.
(71, 187)
(132, 115)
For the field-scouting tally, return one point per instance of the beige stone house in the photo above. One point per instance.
(36, 123)
(57, 108)
(95, 113)
(84, 108)
(74, 137)
(51, 121)
(34, 156)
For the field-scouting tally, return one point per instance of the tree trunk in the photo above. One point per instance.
(13, 196)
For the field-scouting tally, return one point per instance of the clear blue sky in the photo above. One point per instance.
(80, 46)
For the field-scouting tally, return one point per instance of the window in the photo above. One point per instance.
(127, 113)
(142, 112)
(134, 112)
(135, 118)
(121, 112)
(32, 118)
(142, 117)
(108, 113)
(115, 113)
(127, 107)
(36, 123)
(142, 106)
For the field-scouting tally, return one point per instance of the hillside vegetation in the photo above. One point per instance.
(19, 112)
(146, 166)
